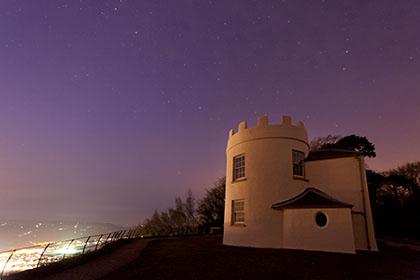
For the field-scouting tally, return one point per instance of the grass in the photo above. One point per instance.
(207, 258)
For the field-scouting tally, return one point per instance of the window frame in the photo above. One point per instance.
(300, 165)
(234, 221)
(235, 168)
(324, 216)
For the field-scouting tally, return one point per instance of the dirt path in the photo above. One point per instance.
(103, 265)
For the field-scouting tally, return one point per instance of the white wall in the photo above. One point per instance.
(302, 232)
(339, 178)
(269, 179)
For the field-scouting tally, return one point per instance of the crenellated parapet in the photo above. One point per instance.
(264, 130)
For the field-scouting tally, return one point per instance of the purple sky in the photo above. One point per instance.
(110, 109)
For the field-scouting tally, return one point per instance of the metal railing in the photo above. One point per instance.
(40, 255)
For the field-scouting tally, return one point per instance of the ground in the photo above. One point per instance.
(207, 258)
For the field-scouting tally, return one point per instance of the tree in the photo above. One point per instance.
(175, 221)
(178, 216)
(183, 218)
(153, 225)
(409, 170)
(166, 223)
(190, 211)
(353, 143)
(211, 209)
(317, 143)
(395, 202)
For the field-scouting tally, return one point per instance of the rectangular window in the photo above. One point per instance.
(298, 164)
(238, 167)
(238, 211)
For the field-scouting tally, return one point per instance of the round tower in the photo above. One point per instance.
(264, 166)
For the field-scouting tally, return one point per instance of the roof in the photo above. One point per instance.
(311, 198)
(331, 153)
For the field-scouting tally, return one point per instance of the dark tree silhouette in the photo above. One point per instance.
(180, 220)
(211, 209)
(395, 202)
(318, 142)
(409, 170)
(183, 219)
(353, 143)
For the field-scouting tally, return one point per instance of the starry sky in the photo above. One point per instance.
(111, 109)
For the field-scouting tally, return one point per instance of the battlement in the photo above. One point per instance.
(263, 129)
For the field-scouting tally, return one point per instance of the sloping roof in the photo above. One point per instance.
(311, 198)
(331, 153)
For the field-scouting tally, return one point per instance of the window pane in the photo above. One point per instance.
(238, 214)
(239, 167)
(298, 163)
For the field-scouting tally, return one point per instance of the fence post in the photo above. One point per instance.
(117, 235)
(84, 247)
(8, 259)
(113, 236)
(64, 255)
(109, 235)
(40, 257)
(100, 237)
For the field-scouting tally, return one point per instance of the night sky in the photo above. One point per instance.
(111, 109)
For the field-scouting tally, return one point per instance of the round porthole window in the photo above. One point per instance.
(321, 219)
